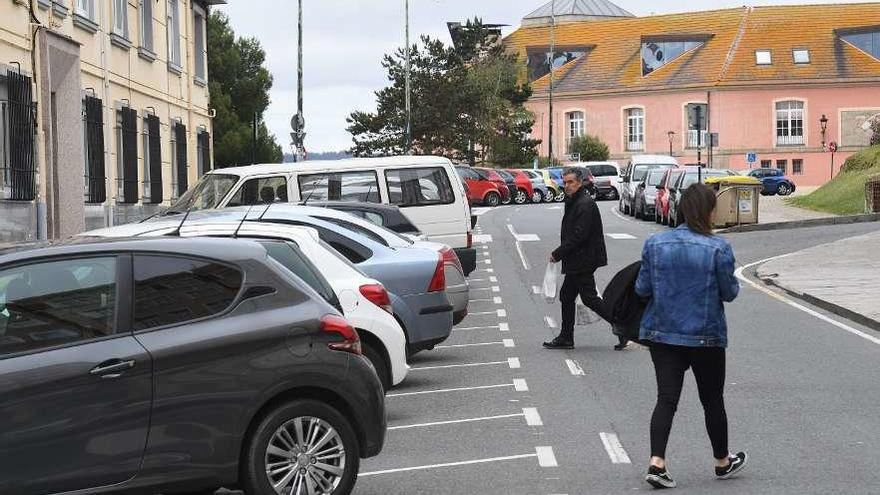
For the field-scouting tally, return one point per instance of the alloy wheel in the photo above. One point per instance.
(783, 189)
(537, 197)
(305, 455)
(520, 197)
(560, 196)
(492, 199)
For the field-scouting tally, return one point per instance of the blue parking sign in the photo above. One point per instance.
(751, 157)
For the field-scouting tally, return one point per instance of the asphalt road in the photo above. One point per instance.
(492, 412)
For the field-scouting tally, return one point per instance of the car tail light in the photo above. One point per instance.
(376, 294)
(447, 255)
(438, 281)
(340, 326)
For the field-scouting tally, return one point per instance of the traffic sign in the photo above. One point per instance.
(832, 146)
(751, 157)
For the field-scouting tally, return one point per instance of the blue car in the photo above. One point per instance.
(775, 181)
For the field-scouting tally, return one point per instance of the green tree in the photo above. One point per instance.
(875, 132)
(239, 86)
(590, 148)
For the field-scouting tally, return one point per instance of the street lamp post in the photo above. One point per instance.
(823, 125)
(671, 135)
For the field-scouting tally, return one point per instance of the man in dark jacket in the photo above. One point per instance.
(581, 252)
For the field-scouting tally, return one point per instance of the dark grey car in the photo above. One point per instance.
(164, 365)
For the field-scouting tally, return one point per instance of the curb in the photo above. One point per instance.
(799, 224)
(821, 303)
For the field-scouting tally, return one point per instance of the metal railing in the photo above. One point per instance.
(692, 138)
(634, 145)
(789, 140)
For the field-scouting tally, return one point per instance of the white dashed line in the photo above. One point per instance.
(502, 313)
(446, 390)
(513, 363)
(551, 323)
(522, 257)
(493, 279)
(496, 300)
(574, 367)
(455, 346)
(468, 365)
(536, 290)
(457, 421)
(527, 238)
(467, 329)
(482, 238)
(503, 327)
(546, 457)
(509, 343)
(520, 385)
(532, 416)
(621, 236)
(496, 288)
(615, 450)
(451, 464)
(488, 262)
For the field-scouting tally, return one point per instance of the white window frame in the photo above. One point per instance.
(804, 54)
(794, 117)
(120, 154)
(637, 122)
(145, 18)
(145, 144)
(172, 27)
(200, 50)
(763, 57)
(120, 18)
(86, 8)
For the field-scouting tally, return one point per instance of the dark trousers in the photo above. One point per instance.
(670, 363)
(578, 284)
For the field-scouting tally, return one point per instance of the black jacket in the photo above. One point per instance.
(583, 242)
(622, 305)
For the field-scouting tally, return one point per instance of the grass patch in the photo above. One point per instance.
(845, 194)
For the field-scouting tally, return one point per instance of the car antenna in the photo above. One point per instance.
(367, 196)
(260, 218)
(235, 234)
(192, 203)
(317, 182)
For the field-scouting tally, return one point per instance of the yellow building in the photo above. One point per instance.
(104, 112)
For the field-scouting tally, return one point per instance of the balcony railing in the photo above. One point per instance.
(635, 145)
(692, 138)
(789, 140)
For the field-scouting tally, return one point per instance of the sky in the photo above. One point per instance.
(344, 41)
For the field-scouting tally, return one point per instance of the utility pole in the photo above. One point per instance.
(298, 123)
(408, 99)
(552, 59)
(699, 111)
(254, 141)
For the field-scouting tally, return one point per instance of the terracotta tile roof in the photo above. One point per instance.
(726, 58)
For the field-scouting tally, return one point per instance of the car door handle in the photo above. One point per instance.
(112, 368)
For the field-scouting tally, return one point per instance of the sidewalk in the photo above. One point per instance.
(772, 209)
(842, 277)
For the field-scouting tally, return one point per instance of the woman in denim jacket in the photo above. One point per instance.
(688, 274)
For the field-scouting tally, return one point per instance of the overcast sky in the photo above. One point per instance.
(344, 41)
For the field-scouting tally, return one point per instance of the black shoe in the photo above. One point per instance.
(621, 346)
(659, 478)
(737, 464)
(558, 343)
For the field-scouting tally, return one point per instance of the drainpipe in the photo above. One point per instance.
(709, 128)
(106, 109)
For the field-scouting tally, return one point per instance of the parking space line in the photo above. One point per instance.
(536, 289)
(532, 416)
(446, 390)
(468, 345)
(621, 236)
(497, 300)
(493, 279)
(467, 329)
(513, 363)
(481, 300)
(487, 261)
(458, 421)
(615, 450)
(503, 327)
(467, 365)
(483, 313)
(450, 464)
(522, 256)
(574, 367)
(546, 457)
(508, 343)
(520, 385)
(474, 289)
(496, 288)
(502, 313)
(551, 323)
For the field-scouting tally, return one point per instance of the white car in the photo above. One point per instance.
(606, 178)
(363, 301)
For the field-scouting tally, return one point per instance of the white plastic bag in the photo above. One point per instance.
(551, 281)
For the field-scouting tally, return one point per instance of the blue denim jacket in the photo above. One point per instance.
(689, 277)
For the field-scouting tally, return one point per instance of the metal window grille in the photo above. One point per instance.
(19, 167)
(96, 176)
(180, 155)
(153, 151)
(128, 134)
(797, 166)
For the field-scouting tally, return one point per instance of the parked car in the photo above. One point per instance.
(388, 216)
(690, 175)
(636, 171)
(481, 190)
(512, 186)
(539, 187)
(589, 180)
(500, 183)
(525, 191)
(553, 186)
(362, 300)
(426, 187)
(775, 181)
(154, 365)
(646, 195)
(661, 202)
(606, 177)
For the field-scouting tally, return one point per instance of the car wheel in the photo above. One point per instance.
(784, 189)
(379, 364)
(537, 197)
(613, 195)
(492, 199)
(637, 211)
(549, 197)
(506, 200)
(560, 196)
(301, 446)
(521, 197)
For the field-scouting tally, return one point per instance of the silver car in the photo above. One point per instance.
(540, 190)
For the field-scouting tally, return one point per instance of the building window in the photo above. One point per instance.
(93, 134)
(656, 54)
(84, 15)
(789, 123)
(120, 18)
(126, 156)
(766, 163)
(782, 165)
(866, 41)
(179, 171)
(146, 22)
(797, 166)
(697, 130)
(175, 63)
(203, 152)
(539, 59)
(635, 129)
(763, 57)
(152, 160)
(17, 138)
(576, 125)
(200, 70)
(800, 56)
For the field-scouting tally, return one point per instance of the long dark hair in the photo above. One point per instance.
(697, 204)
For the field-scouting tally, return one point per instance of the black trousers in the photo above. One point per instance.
(574, 285)
(670, 363)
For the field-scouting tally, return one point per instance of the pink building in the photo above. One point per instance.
(777, 83)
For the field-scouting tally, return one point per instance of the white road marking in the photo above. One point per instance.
(497, 300)
(479, 211)
(489, 270)
(522, 257)
(615, 450)
(493, 279)
(482, 238)
(473, 289)
(468, 365)
(457, 421)
(445, 390)
(503, 326)
(555, 208)
(472, 280)
(468, 345)
(778, 297)
(551, 323)
(527, 237)
(508, 343)
(546, 457)
(502, 313)
(496, 288)
(574, 367)
(481, 300)
(482, 313)
(487, 261)
(620, 215)
(536, 289)
(520, 385)
(621, 236)
(513, 363)
(450, 464)
(466, 329)
(532, 416)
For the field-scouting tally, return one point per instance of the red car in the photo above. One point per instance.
(661, 204)
(499, 182)
(524, 189)
(480, 190)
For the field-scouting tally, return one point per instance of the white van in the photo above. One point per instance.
(636, 170)
(426, 188)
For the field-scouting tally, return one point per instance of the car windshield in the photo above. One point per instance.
(206, 194)
(641, 171)
(655, 178)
